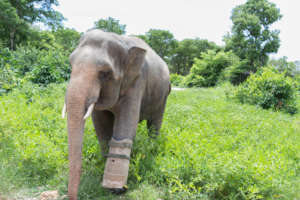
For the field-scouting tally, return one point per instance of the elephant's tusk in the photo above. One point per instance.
(64, 111)
(89, 111)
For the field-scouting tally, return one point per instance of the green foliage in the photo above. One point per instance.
(162, 42)
(50, 67)
(64, 39)
(251, 38)
(176, 79)
(239, 72)
(8, 79)
(194, 80)
(283, 66)
(111, 25)
(185, 53)
(67, 38)
(209, 148)
(27, 135)
(43, 59)
(268, 89)
(179, 55)
(206, 71)
(41, 40)
(16, 17)
(39, 66)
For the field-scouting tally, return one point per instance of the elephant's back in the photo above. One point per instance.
(155, 72)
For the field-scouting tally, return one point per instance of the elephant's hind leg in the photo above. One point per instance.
(153, 126)
(103, 122)
(155, 121)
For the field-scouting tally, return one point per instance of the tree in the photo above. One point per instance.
(67, 38)
(283, 66)
(251, 37)
(41, 40)
(143, 37)
(186, 51)
(111, 25)
(16, 17)
(206, 71)
(162, 41)
(297, 63)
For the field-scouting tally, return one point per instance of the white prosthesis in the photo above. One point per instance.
(117, 164)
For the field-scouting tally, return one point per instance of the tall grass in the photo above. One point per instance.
(209, 148)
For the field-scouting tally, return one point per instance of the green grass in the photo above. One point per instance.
(209, 148)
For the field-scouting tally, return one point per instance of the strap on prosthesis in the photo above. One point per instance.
(117, 164)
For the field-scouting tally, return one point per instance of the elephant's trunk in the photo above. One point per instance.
(75, 137)
(79, 105)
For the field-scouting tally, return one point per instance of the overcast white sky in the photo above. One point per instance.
(206, 19)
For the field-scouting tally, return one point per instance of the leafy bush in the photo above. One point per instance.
(193, 80)
(50, 67)
(39, 66)
(67, 38)
(8, 79)
(176, 79)
(41, 40)
(297, 79)
(268, 89)
(8, 75)
(206, 71)
(283, 66)
(239, 72)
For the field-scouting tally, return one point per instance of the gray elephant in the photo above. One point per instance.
(119, 81)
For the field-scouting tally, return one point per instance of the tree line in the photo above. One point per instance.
(202, 62)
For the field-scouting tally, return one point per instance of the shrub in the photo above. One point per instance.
(50, 67)
(8, 75)
(8, 79)
(206, 71)
(39, 66)
(239, 72)
(269, 89)
(297, 79)
(193, 80)
(176, 79)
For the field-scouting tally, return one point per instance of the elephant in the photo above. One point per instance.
(119, 81)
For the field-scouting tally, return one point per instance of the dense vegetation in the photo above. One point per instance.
(268, 89)
(213, 144)
(251, 37)
(209, 148)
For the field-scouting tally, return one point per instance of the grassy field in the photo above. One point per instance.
(209, 148)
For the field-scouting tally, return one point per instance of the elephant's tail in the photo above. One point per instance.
(170, 88)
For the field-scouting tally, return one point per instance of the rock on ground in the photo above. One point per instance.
(49, 195)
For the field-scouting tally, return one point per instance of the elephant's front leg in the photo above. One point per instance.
(118, 158)
(103, 123)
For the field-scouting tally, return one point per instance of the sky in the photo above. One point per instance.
(205, 19)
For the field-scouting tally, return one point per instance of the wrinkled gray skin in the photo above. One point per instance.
(128, 82)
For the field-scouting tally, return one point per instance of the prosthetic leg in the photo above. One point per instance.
(117, 165)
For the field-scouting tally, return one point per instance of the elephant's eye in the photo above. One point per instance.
(105, 76)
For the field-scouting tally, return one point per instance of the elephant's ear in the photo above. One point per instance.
(133, 65)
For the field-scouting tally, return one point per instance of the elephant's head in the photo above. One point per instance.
(103, 68)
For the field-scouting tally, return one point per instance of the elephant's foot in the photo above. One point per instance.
(117, 165)
(118, 190)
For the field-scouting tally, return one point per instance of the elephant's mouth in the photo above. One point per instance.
(106, 100)
(103, 105)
